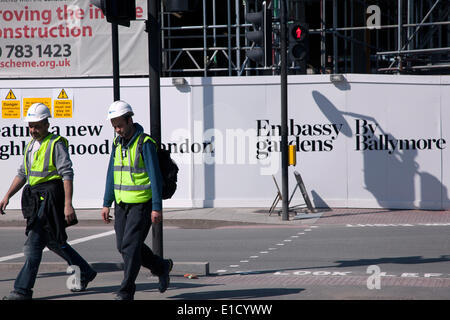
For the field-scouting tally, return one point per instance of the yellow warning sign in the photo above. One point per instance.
(11, 106)
(62, 109)
(11, 95)
(11, 109)
(63, 95)
(27, 102)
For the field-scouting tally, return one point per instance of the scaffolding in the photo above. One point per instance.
(209, 48)
(346, 36)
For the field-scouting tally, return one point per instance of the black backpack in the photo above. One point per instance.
(169, 169)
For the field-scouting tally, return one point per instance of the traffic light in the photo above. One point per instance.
(117, 11)
(298, 42)
(261, 36)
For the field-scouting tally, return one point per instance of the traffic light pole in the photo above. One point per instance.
(115, 58)
(284, 113)
(154, 56)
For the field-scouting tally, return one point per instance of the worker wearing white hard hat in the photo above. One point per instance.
(134, 184)
(119, 108)
(120, 113)
(37, 112)
(37, 118)
(46, 202)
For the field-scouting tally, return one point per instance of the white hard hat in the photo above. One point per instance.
(119, 108)
(37, 112)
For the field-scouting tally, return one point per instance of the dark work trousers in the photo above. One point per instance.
(132, 223)
(37, 240)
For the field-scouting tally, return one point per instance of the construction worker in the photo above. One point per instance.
(46, 203)
(134, 183)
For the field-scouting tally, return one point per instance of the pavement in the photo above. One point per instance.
(230, 215)
(213, 217)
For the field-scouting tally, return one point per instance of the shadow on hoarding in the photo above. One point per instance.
(208, 124)
(389, 165)
(318, 201)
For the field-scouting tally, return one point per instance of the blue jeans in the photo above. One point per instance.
(37, 240)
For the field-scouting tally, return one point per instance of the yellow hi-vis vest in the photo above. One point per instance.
(42, 167)
(131, 181)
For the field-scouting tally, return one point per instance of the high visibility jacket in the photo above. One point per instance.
(131, 181)
(42, 167)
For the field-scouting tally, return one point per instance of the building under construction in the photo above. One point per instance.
(345, 36)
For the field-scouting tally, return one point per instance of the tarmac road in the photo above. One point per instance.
(324, 258)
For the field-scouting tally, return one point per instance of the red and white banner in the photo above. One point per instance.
(67, 38)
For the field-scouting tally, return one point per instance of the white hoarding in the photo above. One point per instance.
(370, 141)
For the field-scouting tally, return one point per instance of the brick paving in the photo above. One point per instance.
(382, 216)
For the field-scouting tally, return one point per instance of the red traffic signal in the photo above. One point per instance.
(298, 42)
(298, 32)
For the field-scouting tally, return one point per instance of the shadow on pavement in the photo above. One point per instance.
(238, 294)
(348, 263)
(397, 260)
(140, 287)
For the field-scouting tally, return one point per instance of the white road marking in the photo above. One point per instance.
(397, 225)
(76, 241)
(356, 273)
(95, 236)
(13, 256)
(263, 252)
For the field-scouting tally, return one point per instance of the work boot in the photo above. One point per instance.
(121, 296)
(14, 295)
(164, 279)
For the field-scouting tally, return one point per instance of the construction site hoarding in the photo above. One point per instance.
(368, 141)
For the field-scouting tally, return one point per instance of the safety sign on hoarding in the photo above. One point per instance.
(62, 105)
(10, 106)
(14, 106)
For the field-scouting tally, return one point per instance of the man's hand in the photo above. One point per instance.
(156, 216)
(105, 215)
(3, 204)
(16, 185)
(69, 212)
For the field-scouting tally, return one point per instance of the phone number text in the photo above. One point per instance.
(29, 51)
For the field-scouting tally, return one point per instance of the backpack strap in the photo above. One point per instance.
(141, 143)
